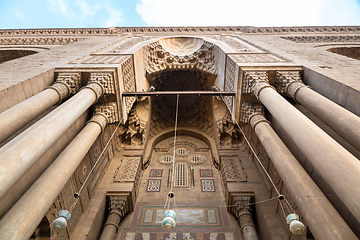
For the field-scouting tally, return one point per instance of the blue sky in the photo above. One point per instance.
(141, 13)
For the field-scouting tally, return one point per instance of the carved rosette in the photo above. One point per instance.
(283, 78)
(100, 119)
(110, 111)
(247, 109)
(105, 79)
(202, 59)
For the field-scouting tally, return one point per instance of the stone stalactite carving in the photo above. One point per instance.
(247, 109)
(129, 83)
(73, 80)
(105, 79)
(202, 59)
(283, 78)
(134, 130)
(109, 109)
(250, 78)
(119, 203)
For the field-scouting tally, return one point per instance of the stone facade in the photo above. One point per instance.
(286, 141)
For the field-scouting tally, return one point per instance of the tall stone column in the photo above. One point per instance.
(23, 218)
(336, 165)
(342, 121)
(241, 209)
(19, 115)
(322, 218)
(17, 156)
(118, 208)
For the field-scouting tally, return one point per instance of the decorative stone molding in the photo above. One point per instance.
(293, 87)
(118, 204)
(37, 41)
(257, 118)
(62, 89)
(283, 78)
(202, 59)
(250, 78)
(97, 88)
(230, 80)
(247, 109)
(124, 46)
(101, 119)
(129, 170)
(119, 30)
(323, 39)
(105, 79)
(109, 109)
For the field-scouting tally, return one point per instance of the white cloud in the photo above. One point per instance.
(114, 18)
(249, 12)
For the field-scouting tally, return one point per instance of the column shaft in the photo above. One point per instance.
(19, 154)
(338, 167)
(23, 218)
(247, 226)
(111, 226)
(345, 123)
(322, 218)
(19, 115)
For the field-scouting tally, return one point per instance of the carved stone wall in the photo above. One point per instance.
(233, 169)
(323, 38)
(129, 82)
(38, 41)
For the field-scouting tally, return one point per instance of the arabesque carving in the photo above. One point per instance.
(129, 83)
(233, 169)
(230, 78)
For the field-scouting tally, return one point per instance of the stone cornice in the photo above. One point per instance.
(219, 29)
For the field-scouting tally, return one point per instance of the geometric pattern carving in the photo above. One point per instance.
(128, 77)
(230, 71)
(318, 39)
(37, 41)
(153, 185)
(283, 78)
(202, 59)
(105, 79)
(233, 169)
(109, 109)
(247, 109)
(207, 185)
(256, 58)
(128, 170)
(181, 175)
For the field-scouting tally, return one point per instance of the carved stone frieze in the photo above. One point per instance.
(247, 109)
(129, 170)
(323, 38)
(109, 109)
(233, 169)
(119, 30)
(105, 79)
(202, 59)
(37, 41)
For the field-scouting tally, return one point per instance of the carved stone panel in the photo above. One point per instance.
(233, 169)
(109, 109)
(128, 170)
(230, 81)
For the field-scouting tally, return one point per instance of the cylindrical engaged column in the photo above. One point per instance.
(241, 209)
(322, 218)
(19, 115)
(342, 121)
(20, 153)
(23, 218)
(118, 208)
(330, 159)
